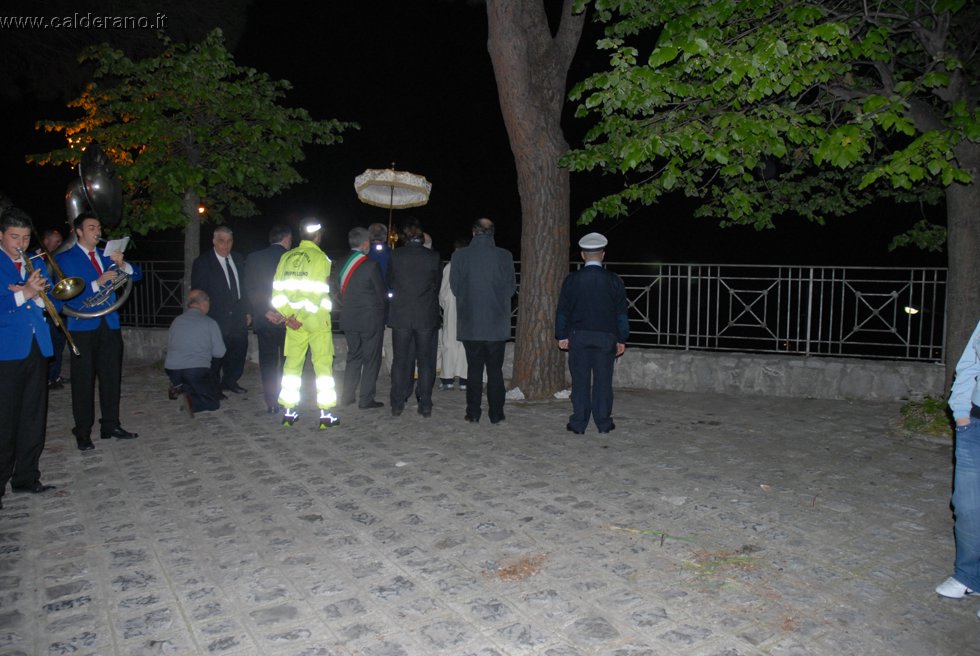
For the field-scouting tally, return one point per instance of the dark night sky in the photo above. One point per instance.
(417, 77)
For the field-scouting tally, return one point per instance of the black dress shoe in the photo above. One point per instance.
(497, 421)
(425, 412)
(396, 412)
(84, 442)
(470, 419)
(274, 409)
(569, 428)
(236, 388)
(371, 405)
(119, 433)
(35, 488)
(612, 427)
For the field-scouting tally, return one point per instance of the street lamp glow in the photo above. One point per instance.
(911, 310)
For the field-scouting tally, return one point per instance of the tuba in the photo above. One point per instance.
(99, 191)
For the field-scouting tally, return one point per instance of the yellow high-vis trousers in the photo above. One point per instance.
(320, 343)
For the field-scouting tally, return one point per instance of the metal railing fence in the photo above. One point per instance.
(868, 312)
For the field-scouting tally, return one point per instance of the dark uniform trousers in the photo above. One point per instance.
(590, 360)
(23, 411)
(101, 356)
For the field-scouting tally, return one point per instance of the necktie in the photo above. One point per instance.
(95, 262)
(18, 264)
(232, 280)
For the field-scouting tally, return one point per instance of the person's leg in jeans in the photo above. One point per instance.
(966, 504)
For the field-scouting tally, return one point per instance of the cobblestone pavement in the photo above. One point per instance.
(704, 525)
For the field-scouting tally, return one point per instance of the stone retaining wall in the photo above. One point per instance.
(701, 371)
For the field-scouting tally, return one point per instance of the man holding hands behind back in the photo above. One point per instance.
(592, 324)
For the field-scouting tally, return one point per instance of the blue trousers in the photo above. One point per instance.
(590, 360)
(966, 504)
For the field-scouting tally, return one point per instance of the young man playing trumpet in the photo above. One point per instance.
(25, 345)
(98, 338)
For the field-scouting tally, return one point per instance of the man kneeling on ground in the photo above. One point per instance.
(194, 341)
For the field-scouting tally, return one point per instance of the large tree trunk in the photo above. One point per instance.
(963, 249)
(192, 235)
(531, 67)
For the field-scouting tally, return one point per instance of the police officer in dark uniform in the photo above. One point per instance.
(592, 325)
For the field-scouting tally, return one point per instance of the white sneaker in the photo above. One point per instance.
(953, 589)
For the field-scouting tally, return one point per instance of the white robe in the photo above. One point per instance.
(452, 352)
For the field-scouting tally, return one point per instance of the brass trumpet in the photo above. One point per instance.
(66, 288)
(49, 306)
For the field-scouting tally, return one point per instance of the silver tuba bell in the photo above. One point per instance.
(99, 191)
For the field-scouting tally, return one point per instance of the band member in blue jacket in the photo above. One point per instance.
(25, 345)
(99, 339)
(592, 325)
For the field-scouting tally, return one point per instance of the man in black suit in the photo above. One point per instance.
(362, 293)
(414, 274)
(260, 269)
(219, 272)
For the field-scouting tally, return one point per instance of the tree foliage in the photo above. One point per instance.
(188, 123)
(767, 107)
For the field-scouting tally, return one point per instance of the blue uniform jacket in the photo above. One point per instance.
(593, 298)
(20, 324)
(75, 262)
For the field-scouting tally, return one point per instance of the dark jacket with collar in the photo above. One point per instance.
(208, 274)
(483, 280)
(414, 275)
(362, 303)
(260, 269)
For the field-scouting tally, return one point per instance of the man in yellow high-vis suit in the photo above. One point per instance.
(301, 298)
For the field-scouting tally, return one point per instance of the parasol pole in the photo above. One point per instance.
(391, 208)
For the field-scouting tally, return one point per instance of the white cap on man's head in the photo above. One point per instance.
(593, 242)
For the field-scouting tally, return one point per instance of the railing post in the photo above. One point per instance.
(687, 325)
(809, 314)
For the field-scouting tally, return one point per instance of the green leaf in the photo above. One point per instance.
(662, 55)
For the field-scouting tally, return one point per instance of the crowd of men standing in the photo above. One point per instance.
(394, 300)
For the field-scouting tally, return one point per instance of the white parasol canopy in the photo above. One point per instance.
(392, 189)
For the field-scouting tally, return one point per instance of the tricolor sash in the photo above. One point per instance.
(355, 260)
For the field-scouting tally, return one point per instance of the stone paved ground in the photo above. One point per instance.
(702, 526)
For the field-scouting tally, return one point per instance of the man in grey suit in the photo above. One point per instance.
(414, 274)
(362, 296)
(483, 279)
